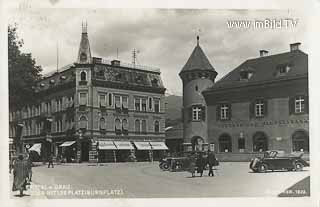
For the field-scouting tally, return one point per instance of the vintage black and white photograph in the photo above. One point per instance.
(158, 103)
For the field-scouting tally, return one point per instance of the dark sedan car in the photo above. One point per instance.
(277, 160)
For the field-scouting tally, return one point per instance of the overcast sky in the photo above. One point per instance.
(165, 38)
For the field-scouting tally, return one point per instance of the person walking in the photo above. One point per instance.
(29, 162)
(192, 164)
(50, 160)
(211, 162)
(20, 175)
(200, 163)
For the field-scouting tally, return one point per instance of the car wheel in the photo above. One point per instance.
(263, 168)
(298, 166)
(165, 166)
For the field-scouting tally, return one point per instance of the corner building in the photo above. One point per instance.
(261, 105)
(95, 110)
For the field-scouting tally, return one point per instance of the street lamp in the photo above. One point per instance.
(79, 151)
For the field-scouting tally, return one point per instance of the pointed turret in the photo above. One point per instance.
(84, 54)
(197, 61)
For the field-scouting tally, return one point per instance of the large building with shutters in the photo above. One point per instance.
(260, 105)
(95, 110)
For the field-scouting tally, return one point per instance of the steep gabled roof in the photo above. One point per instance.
(266, 69)
(197, 61)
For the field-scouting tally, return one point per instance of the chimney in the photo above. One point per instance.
(115, 62)
(263, 53)
(295, 46)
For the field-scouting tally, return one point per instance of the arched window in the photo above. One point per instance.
(156, 127)
(118, 124)
(83, 122)
(83, 76)
(144, 126)
(260, 142)
(110, 99)
(125, 124)
(102, 124)
(300, 141)
(137, 126)
(225, 143)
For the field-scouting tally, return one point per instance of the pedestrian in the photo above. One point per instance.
(200, 163)
(50, 160)
(211, 162)
(192, 164)
(29, 161)
(20, 175)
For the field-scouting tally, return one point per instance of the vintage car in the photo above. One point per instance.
(278, 160)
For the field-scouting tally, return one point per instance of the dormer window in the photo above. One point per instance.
(155, 82)
(83, 76)
(63, 77)
(245, 74)
(52, 81)
(42, 85)
(283, 69)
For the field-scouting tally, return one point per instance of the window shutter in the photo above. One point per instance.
(291, 105)
(265, 107)
(230, 112)
(218, 108)
(251, 110)
(203, 113)
(306, 100)
(189, 112)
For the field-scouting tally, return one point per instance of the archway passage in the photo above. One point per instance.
(225, 143)
(260, 142)
(197, 143)
(300, 141)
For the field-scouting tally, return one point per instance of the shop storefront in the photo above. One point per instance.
(106, 151)
(68, 151)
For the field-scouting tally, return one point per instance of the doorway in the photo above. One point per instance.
(85, 151)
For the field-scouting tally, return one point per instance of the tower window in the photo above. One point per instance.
(299, 104)
(224, 112)
(259, 108)
(196, 113)
(83, 76)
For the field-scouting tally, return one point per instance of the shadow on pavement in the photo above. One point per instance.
(300, 189)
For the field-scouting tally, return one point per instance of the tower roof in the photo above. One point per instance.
(84, 54)
(197, 60)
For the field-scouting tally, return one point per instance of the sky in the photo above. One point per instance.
(165, 38)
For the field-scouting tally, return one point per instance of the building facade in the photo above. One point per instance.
(95, 110)
(260, 105)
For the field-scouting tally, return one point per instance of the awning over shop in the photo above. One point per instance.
(36, 148)
(123, 145)
(158, 146)
(143, 145)
(106, 145)
(67, 144)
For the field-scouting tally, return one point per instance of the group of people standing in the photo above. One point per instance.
(198, 163)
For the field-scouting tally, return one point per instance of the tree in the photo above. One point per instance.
(23, 72)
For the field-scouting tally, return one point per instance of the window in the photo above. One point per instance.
(125, 125)
(150, 103)
(125, 102)
(156, 127)
(225, 144)
(110, 99)
(157, 105)
(59, 104)
(117, 100)
(241, 144)
(196, 113)
(245, 75)
(137, 126)
(299, 104)
(144, 104)
(300, 141)
(224, 112)
(83, 122)
(144, 126)
(102, 100)
(283, 68)
(260, 142)
(58, 125)
(83, 99)
(137, 104)
(259, 108)
(102, 124)
(117, 123)
(83, 76)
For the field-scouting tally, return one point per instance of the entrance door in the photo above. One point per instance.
(85, 151)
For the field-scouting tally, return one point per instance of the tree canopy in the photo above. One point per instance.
(23, 72)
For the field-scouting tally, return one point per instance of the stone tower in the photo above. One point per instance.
(197, 75)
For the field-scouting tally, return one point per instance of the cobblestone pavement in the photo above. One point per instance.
(146, 180)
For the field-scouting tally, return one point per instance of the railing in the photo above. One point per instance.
(135, 66)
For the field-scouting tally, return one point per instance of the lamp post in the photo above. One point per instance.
(19, 137)
(79, 151)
